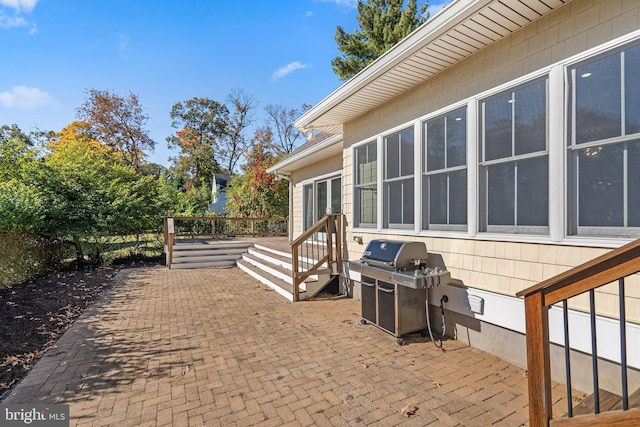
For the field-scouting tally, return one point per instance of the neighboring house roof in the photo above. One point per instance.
(458, 31)
(221, 177)
(317, 148)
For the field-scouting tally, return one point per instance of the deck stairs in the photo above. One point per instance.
(207, 253)
(272, 267)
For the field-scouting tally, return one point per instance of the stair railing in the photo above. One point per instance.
(610, 267)
(318, 250)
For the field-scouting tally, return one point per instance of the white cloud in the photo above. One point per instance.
(25, 98)
(288, 69)
(19, 5)
(14, 20)
(7, 22)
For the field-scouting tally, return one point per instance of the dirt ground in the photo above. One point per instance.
(33, 314)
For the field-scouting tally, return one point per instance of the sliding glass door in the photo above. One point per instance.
(320, 198)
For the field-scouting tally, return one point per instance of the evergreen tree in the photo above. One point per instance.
(383, 23)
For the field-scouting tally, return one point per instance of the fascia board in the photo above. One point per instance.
(446, 19)
(290, 161)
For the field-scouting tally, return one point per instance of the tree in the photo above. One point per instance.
(21, 207)
(233, 144)
(16, 149)
(201, 123)
(257, 193)
(90, 192)
(285, 135)
(119, 122)
(383, 23)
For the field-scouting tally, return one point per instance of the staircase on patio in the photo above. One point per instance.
(272, 266)
(297, 270)
(602, 408)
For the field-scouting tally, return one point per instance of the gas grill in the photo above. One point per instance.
(395, 278)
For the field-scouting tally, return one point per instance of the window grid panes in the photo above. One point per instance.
(604, 145)
(366, 187)
(398, 179)
(514, 167)
(444, 181)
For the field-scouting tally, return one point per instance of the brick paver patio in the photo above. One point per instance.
(214, 347)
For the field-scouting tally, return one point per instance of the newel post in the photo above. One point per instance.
(294, 267)
(538, 359)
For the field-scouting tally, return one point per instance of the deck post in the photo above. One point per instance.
(538, 360)
(170, 233)
(294, 267)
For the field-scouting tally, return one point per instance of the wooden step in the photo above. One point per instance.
(280, 286)
(275, 270)
(608, 402)
(203, 264)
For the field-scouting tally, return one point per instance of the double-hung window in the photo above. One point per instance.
(444, 172)
(398, 179)
(604, 145)
(366, 185)
(514, 163)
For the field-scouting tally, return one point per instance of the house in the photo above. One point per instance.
(506, 136)
(219, 192)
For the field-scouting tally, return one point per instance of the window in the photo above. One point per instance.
(307, 201)
(604, 145)
(366, 186)
(319, 198)
(398, 179)
(444, 179)
(514, 165)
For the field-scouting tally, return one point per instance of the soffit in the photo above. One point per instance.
(460, 30)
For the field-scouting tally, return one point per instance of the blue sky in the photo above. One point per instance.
(52, 51)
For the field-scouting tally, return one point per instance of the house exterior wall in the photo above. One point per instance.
(499, 265)
(308, 174)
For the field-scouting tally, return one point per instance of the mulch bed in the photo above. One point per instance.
(34, 314)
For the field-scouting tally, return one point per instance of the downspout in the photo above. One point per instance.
(290, 222)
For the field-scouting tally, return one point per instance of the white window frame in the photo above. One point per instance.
(386, 181)
(484, 165)
(314, 194)
(357, 186)
(573, 228)
(425, 204)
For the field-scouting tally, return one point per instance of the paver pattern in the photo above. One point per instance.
(215, 347)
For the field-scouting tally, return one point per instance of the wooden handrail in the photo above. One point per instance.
(333, 255)
(607, 268)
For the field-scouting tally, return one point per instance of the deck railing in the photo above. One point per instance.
(217, 227)
(610, 267)
(318, 250)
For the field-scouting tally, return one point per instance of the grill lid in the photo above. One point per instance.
(394, 254)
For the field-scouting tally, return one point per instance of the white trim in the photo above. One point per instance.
(448, 17)
(508, 312)
(379, 182)
(472, 167)
(417, 176)
(556, 150)
(295, 157)
(324, 177)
